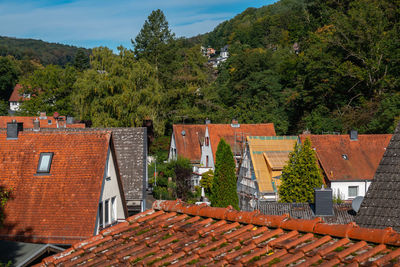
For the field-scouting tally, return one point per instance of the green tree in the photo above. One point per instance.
(8, 77)
(5, 195)
(153, 37)
(206, 181)
(81, 61)
(301, 175)
(224, 191)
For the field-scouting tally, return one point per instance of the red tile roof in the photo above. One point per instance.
(362, 155)
(60, 207)
(188, 145)
(178, 234)
(16, 95)
(44, 123)
(235, 137)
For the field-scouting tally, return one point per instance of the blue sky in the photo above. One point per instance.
(91, 23)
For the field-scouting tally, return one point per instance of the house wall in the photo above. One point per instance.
(172, 149)
(342, 188)
(206, 150)
(109, 190)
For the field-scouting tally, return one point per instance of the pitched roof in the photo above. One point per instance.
(188, 144)
(381, 205)
(236, 136)
(48, 122)
(59, 207)
(16, 95)
(179, 234)
(272, 149)
(343, 159)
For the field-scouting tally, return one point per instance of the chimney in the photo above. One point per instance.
(12, 130)
(323, 201)
(235, 123)
(70, 120)
(43, 116)
(353, 135)
(36, 125)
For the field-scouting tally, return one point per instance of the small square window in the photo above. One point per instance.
(44, 162)
(353, 191)
(49, 122)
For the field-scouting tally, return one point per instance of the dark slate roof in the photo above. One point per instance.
(381, 206)
(23, 254)
(343, 213)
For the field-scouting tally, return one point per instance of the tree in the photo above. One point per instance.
(301, 175)
(206, 181)
(5, 195)
(81, 61)
(8, 77)
(153, 37)
(224, 191)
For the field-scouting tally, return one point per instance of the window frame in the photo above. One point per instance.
(107, 212)
(42, 154)
(113, 212)
(101, 217)
(352, 187)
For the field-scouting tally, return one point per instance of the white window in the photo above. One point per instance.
(353, 191)
(44, 162)
(113, 209)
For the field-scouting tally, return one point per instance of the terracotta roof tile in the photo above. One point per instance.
(16, 95)
(49, 122)
(59, 207)
(343, 159)
(217, 241)
(188, 144)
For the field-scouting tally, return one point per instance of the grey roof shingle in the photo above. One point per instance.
(381, 205)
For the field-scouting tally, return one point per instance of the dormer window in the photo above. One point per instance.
(45, 162)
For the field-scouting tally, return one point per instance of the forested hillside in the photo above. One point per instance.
(325, 66)
(43, 52)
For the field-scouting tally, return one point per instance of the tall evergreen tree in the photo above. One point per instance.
(151, 41)
(301, 175)
(224, 189)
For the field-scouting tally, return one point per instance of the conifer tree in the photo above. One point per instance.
(224, 189)
(301, 175)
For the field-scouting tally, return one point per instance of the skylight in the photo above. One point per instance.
(45, 162)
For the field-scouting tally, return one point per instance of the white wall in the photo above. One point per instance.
(110, 189)
(14, 106)
(207, 151)
(342, 188)
(172, 150)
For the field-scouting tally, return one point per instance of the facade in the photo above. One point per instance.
(349, 162)
(65, 185)
(174, 233)
(17, 98)
(381, 205)
(261, 168)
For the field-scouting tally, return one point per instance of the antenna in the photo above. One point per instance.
(356, 203)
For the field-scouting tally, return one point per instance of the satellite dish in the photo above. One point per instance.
(356, 203)
(183, 133)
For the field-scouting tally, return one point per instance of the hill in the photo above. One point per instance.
(44, 52)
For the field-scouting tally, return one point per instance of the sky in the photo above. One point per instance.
(93, 23)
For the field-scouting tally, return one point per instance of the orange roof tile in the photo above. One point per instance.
(188, 145)
(236, 136)
(343, 159)
(59, 207)
(176, 234)
(49, 122)
(16, 95)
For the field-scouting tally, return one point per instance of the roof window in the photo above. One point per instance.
(345, 157)
(45, 162)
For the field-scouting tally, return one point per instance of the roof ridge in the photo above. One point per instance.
(317, 225)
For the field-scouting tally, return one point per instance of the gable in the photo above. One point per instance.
(188, 139)
(60, 206)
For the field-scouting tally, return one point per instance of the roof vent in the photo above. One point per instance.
(183, 132)
(353, 135)
(345, 157)
(235, 123)
(323, 201)
(12, 130)
(36, 125)
(42, 116)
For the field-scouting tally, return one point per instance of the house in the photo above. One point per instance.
(174, 233)
(66, 186)
(262, 165)
(349, 161)
(17, 97)
(381, 205)
(224, 54)
(42, 121)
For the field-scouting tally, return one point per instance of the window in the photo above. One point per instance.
(353, 191)
(206, 161)
(113, 209)
(106, 212)
(101, 214)
(207, 141)
(44, 162)
(49, 122)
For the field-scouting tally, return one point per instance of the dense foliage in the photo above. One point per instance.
(301, 175)
(43, 52)
(223, 190)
